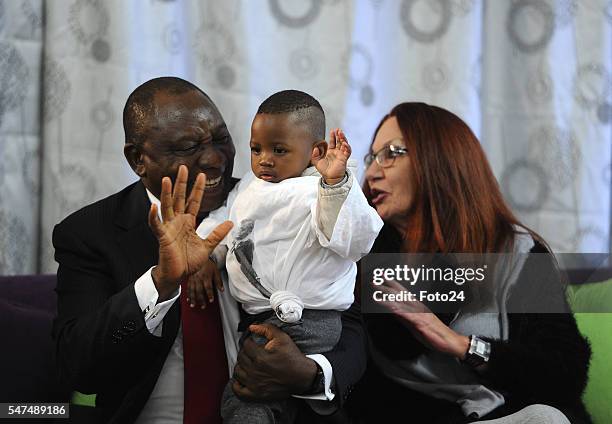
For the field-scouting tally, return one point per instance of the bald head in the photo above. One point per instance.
(140, 106)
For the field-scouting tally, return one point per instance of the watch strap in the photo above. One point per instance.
(318, 384)
(478, 352)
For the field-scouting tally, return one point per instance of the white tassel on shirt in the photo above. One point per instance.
(287, 306)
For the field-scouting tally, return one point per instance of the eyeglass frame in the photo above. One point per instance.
(395, 151)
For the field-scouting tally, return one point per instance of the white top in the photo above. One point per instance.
(278, 225)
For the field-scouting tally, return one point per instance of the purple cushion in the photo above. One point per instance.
(28, 370)
(37, 291)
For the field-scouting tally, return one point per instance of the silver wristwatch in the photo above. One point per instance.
(478, 353)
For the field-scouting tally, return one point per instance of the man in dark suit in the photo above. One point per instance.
(120, 326)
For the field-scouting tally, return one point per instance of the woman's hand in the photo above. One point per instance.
(425, 325)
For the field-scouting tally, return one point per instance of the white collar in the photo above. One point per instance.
(155, 201)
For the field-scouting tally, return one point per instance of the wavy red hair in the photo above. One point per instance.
(458, 206)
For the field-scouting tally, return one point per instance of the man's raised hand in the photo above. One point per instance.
(181, 251)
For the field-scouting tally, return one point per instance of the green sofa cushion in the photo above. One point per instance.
(591, 297)
(597, 327)
(82, 399)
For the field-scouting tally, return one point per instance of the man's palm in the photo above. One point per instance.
(181, 251)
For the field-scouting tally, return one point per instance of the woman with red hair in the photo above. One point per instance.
(430, 182)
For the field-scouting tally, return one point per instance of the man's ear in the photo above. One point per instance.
(321, 147)
(133, 154)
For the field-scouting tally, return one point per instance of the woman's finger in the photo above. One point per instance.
(392, 284)
(401, 307)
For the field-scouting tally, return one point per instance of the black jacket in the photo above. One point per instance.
(545, 359)
(103, 345)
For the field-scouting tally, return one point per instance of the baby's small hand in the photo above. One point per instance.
(332, 166)
(200, 285)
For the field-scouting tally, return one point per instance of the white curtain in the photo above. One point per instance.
(533, 78)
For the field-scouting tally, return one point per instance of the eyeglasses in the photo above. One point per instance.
(385, 156)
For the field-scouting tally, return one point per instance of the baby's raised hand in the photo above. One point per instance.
(332, 166)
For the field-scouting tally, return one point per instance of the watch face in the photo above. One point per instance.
(481, 348)
(478, 353)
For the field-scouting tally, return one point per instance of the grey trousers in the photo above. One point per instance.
(318, 332)
(532, 414)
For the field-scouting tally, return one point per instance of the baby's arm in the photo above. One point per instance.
(329, 202)
(345, 222)
(336, 181)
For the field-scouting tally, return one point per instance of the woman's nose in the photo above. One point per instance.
(373, 172)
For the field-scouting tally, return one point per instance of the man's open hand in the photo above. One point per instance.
(181, 252)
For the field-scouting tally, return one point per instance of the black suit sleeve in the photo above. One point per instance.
(349, 358)
(101, 339)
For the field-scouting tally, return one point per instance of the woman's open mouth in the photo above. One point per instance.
(378, 196)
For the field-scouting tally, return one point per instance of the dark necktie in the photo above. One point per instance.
(206, 372)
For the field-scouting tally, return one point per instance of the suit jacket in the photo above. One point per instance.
(103, 345)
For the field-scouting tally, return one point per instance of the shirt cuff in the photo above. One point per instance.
(340, 183)
(327, 394)
(147, 296)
